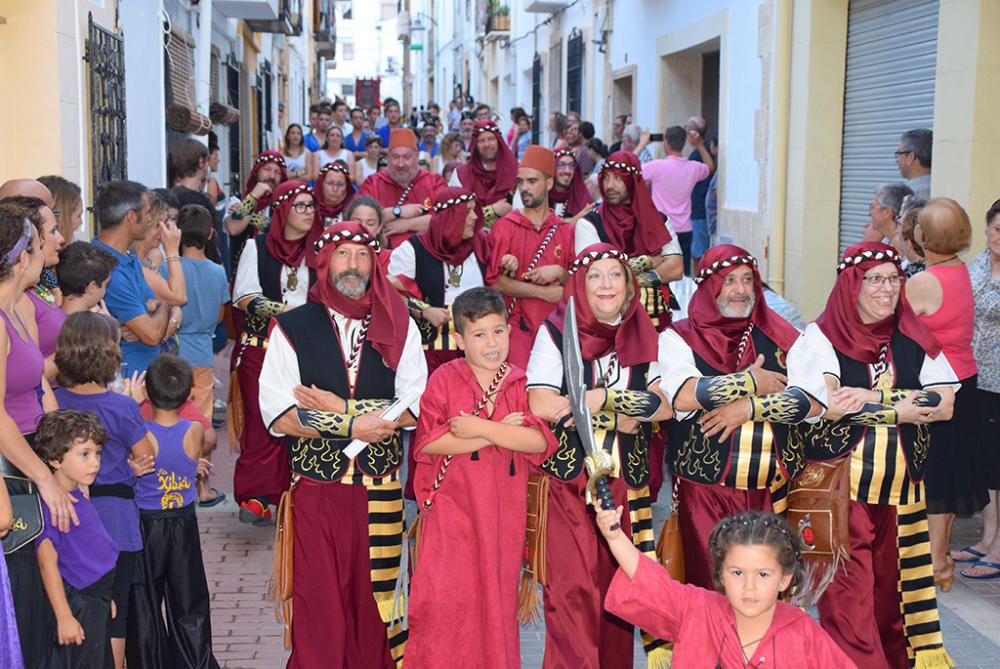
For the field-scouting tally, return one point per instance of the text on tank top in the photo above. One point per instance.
(172, 484)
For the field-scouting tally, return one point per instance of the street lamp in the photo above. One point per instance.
(416, 26)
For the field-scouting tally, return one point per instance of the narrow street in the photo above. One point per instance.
(247, 635)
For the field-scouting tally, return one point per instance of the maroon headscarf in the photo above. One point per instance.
(443, 237)
(723, 342)
(290, 252)
(841, 322)
(324, 210)
(637, 227)
(264, 157)
(489, 185)
(633, 339)
(389, 317)
(575, 197)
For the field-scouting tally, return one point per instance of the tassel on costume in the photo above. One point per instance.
(817, 578)
(529, 600)
(936, 658)
(660, 657)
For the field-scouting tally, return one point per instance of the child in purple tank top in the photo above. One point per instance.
(88, 358)
(174, 569)
(78, 567)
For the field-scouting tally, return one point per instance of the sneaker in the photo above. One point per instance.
(219, 406)
(216, 382)
(254, 511)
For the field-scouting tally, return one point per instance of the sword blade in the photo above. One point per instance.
(575, 387)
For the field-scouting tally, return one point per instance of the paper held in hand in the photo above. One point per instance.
(392, 412)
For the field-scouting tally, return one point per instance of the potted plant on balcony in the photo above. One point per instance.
(501, 17)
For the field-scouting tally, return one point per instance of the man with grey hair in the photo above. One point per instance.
(631, 137)
(913, 157)
(122, 210)
(884, 210)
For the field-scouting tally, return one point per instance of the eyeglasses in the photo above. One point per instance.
(303, 207)
(878, 280)
(902, 153)
(566, 164)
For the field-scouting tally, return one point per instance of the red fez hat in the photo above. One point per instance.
(539, 158)
(402, 138)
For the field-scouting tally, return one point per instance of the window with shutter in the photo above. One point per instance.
(182, 112)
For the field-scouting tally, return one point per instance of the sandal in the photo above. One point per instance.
(985, 577)
(219, 498)
(971, 551)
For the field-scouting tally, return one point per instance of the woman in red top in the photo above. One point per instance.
(756, 558)
(942, 297)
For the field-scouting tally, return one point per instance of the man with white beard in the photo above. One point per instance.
(728, 454)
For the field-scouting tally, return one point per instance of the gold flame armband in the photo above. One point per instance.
(330, 425)
(716, 391)
(640, 404)
(790, 407)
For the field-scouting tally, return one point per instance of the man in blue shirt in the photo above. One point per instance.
(122, 210)
(393, 116)
(354, 141)
(317, 137)
(428, 139)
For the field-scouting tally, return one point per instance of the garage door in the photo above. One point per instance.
(889, 89)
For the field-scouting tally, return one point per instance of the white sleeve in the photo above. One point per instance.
(584, 235)
(810, 360)
(545, 368)
(674, 365)
(278, 377)
(938, 372)
(247, 280)
(411, 373)
(673, 247)
(403, 261)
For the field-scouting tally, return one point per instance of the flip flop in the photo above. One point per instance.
(986, 577)
(219, 498)
(971, 551)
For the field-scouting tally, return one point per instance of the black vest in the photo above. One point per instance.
(827, 440)
(312, 333)
(633, 449)
(429, 276)
(270, 276)
(702, 459)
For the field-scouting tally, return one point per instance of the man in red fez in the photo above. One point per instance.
(405, 191)
(253, 213)
(531, 250)
(723, 370)
(332, 366)
(490, 173)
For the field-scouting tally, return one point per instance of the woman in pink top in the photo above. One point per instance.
(942, 297)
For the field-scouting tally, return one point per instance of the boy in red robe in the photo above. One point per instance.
(405, 191)
(531, 250)
(476, 440)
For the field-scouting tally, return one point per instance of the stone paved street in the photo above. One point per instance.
(246, 635)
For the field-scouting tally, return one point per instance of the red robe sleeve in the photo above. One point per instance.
(434, 412)
(499, 245)
(652, 600)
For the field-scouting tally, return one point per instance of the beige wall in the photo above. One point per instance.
(966, 103)
(31, 142)
(815, 132)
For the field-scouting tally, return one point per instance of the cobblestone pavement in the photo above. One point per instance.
(246, 635)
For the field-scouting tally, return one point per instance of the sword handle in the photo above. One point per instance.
(604, 494)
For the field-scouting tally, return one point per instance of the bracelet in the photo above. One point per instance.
(171, 258)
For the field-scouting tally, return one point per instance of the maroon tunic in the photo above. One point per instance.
(463, 595)
(381, 187)
(516, 235)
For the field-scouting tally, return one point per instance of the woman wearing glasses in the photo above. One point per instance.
(882, 377)
(274, 275)
(942, 296)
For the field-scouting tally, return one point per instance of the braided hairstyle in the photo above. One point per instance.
(757, 528)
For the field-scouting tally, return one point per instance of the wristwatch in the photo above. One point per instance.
(397, 211)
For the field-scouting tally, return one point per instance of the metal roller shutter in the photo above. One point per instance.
(889, 89)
